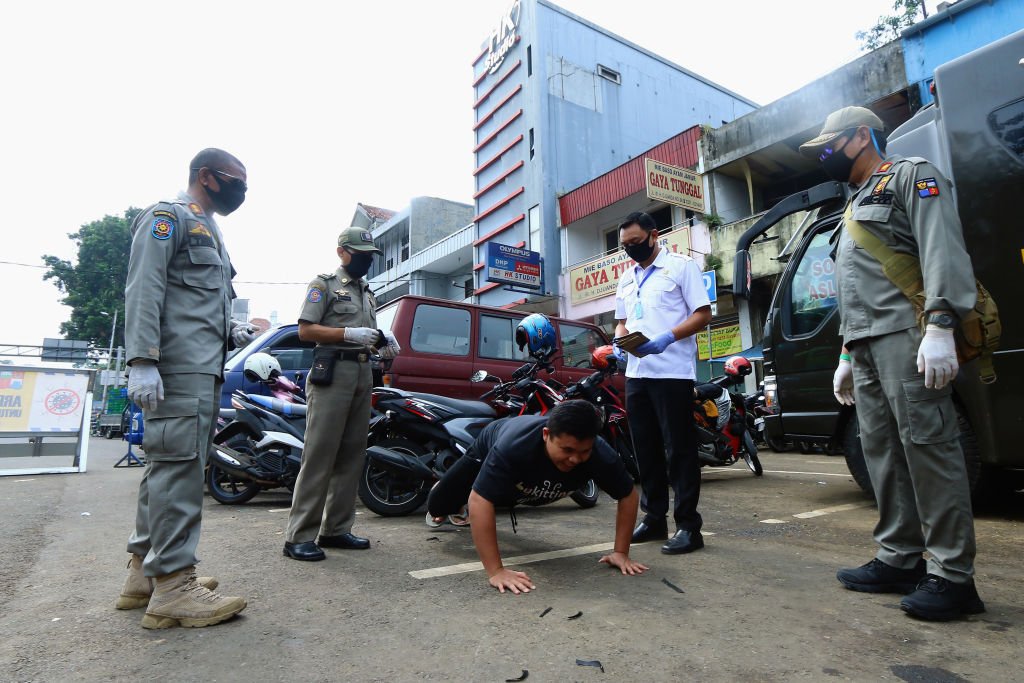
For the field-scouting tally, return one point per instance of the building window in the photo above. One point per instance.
(609, 74)
(439, 329)
(390, 264)
(611, 240)
(468, 288)
(535, 229)
(405, 253)
(529, 60)
(531, 143)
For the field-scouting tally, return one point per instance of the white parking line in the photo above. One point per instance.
(821, 513)
(520, 559)
(747, 472)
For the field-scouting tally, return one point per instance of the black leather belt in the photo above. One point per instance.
(357, 356)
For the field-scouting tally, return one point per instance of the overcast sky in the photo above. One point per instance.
(326, 103)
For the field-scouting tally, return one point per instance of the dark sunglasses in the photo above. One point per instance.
(829, 151)
(232, 180)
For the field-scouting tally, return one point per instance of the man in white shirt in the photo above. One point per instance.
(662, 296)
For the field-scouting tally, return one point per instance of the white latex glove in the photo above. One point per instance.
(364, 336)
(242, 334)
(392, 349)
(936, 357)
(842, 383)
(145, 387)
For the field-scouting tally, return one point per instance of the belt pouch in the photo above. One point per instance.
(322, 372)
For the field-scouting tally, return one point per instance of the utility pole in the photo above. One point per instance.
(110, 355)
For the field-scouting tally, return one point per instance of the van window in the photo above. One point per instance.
(439, 329)
(498, 337)
(386, 317)
(813, 295)
(292, 353)
(1007, 123)
(578, 343)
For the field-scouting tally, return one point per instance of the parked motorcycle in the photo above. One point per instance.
(724, 427)
(417, 437)
(261, 447)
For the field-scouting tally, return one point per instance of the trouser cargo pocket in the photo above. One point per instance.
(931, 413)
(172, 430)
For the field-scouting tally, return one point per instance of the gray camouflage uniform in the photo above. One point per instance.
(177, 313)
(909, 432)
(337, 415)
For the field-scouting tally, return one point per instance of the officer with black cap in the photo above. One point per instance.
(338, 314)
(898, 376)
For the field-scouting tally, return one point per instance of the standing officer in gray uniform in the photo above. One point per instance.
(338, 314)
(899, 377)
(177, 323)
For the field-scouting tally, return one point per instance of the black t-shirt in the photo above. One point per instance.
(517, 470)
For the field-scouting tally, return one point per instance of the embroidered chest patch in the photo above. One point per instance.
(880, 185)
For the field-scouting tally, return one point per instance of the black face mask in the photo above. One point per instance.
(359, 264)
(639, 252)
(230, 196)
(838, 166)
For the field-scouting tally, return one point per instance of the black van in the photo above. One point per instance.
(975, 135)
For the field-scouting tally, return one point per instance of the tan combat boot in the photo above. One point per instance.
(179, 600)
(138, 587)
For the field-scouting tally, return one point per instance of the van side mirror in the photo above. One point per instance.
(741, 274)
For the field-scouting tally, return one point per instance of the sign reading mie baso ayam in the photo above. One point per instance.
(674, 185)
(599, 277)
(510, 265)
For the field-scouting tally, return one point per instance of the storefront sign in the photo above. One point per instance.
(513, 266)
(43, 400)
(599, 277)
(675, 185)
(503, 38)
(725, 342)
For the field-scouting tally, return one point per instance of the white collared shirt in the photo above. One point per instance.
(669, 291)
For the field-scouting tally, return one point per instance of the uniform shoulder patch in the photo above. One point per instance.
(884, 167)
(162, 228)
(314, 295)
(927, 187)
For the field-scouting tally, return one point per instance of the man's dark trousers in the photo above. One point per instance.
(661, 422)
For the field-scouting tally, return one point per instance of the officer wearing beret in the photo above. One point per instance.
(177, 330)
(338, 314)
(898, 377)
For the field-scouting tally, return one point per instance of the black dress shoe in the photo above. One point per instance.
(878, 577)
(346, 541)
(308, 551)
(650, 531)
(683, 542)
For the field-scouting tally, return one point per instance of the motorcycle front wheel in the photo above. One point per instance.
(586, 495)
(227, 488)
(750, 455)
(388, 494)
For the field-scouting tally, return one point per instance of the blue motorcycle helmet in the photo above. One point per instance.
(536, 333)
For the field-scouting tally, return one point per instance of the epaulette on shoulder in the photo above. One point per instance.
(325, 276)
(675, 254)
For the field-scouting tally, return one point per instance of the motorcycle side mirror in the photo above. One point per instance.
(479, 376)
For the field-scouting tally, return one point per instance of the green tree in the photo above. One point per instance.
(94, 288)
(889, 27)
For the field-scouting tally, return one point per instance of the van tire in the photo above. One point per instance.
(854, 452)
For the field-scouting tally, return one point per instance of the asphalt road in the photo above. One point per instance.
(760, 603)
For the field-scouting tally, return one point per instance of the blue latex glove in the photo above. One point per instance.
(620, 356)
(656, 345)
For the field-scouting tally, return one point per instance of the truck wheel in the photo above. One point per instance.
(854, 452)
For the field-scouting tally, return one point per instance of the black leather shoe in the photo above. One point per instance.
(346, 541)
(878, 577)
(308, 551)
(683, 541)
(938, 599)
(650, 530)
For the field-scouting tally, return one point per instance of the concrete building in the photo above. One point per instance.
(561, 101)
(427, 249)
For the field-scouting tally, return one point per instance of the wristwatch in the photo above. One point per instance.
(944, 320)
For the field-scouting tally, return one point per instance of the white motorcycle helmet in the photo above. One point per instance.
(261, 367)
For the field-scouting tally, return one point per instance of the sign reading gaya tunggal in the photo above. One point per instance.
(503, 38)
(599, 277)
(510, 265)
(674, 185)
